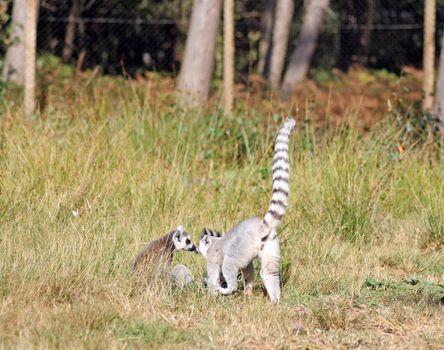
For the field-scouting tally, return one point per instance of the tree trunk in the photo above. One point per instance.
(301, 57)
(284, 16)
(267, 33)
(70, 33)
(82, 54)
(30, 53)
(14, 68)
(429, 53)
(197, 66)
(439, 100)
(228, 55)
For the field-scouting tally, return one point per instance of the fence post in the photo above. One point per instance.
(429, 53)
(439, 97)
(30, 54)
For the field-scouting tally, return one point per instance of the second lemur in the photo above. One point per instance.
(255, 237)
(164, 248)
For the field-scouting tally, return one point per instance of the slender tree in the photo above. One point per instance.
(439, 100)
(14, 68)
(429, 53)
(228, 54)
(366, 35)
(281, 30)
(70, 33)
(315, 11)
(267, 24)
(197, 66)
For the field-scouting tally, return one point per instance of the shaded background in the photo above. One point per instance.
(138, 35)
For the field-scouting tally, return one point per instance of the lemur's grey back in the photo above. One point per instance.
(281, 175)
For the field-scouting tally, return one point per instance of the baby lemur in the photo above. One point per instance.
(206, 240)
(163, 249)
(255, 237)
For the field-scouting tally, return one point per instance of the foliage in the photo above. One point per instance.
(4, 20)
(416, 127)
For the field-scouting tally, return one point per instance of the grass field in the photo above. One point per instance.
(362, 242)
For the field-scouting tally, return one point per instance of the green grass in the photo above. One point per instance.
(134, 167)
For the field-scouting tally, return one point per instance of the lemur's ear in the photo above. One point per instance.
(179, 228)
(177, 235)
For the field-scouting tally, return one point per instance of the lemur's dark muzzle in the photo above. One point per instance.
(193, 249)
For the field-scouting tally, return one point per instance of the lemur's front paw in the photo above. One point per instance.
(225, 291)
(248, 292)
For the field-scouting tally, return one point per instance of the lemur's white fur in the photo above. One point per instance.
(206, 240)
(255, 237)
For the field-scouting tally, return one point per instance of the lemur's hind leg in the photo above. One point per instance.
(230, 270)
(248, 274)
(270, 256)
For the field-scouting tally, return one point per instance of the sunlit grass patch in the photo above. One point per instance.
(150, 334)
(411, 290)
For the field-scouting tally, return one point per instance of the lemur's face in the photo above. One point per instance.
(204, 245)
(182, 240)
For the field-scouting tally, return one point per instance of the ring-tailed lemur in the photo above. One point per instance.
(268, 252)
(164, 248)
(206, 239)
(254, 237)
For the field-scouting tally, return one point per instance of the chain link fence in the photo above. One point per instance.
(115, 44)
(126, 37)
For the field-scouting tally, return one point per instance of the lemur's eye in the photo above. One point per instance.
(188, 241)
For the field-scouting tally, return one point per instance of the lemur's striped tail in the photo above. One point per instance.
(281, 174)
(210, 232)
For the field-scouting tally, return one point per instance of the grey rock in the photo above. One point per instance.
(181, 276)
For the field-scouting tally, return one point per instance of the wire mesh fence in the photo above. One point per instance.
(115, 44)
(136, 36)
